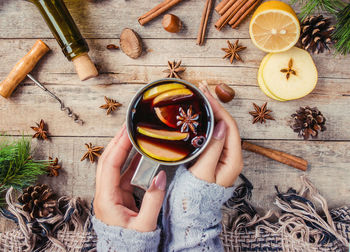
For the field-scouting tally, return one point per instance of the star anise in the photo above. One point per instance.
(261, 114)
(174, 69)
(232, 51)
(187, 120)
(288, 71)
(92, 152)
(53, 168)
(110, 105)
(40, 130)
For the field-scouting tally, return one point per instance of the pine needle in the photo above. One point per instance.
(342, 31)
(309, 7)
(17, 168)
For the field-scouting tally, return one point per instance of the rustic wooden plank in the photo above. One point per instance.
(119, 68)
(328, 169)
(29, 104)
(106, 19)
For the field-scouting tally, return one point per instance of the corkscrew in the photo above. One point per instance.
(23, 68)
(63, 107)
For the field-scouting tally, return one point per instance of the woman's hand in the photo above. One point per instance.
(221, 162)
(114, 203)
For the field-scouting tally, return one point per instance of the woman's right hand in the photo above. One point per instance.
(221, 162)
(114, 203)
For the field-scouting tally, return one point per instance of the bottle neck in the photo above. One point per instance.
(63, 27)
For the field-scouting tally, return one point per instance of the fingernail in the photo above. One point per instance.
(160, 182)
(220, 130)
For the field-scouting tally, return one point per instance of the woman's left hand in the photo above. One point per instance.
(114, 203)
(221, 162)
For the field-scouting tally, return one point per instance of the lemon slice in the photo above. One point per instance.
(163, 134)
(274, 27)
(157, 90)
(175, 94)
(161, 151)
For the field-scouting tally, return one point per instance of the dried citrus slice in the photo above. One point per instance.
(274, 27)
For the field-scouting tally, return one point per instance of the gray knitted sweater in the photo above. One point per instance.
(191, 220)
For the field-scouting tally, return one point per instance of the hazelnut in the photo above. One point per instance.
(224, 93)
(171, 23)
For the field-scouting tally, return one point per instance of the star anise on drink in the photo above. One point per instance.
(53, 168)
(232, 51)
(174, 69)
(261, 114)
(110, 105)
(40, 130)
(187, 121)
(288, 71)
(92, 152)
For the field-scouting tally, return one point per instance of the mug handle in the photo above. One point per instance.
(145, 172)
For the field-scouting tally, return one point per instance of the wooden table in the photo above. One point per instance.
(120, 77)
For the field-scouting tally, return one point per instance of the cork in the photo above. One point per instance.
(84, 67)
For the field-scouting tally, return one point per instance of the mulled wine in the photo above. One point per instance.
(170, 121)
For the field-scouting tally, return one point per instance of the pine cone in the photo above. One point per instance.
(308, 122)
(316, 34)
(39, 201)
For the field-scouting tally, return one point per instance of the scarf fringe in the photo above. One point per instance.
(41, 234)
(298, 222)
(299, 227)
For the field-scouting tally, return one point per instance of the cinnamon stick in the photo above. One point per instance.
(204, 22)
(226, 7)
(157, 10)
(221, 5)
(224, 19)
(241, 11)
(279, 156)
(251, 8)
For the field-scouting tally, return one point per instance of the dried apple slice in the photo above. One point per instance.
(173, 95)
(157, 90)
(261, 80)
(162, 134)
(160, 151)
(290, 75)
(167, 114)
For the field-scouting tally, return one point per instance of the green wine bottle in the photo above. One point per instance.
(68, 36)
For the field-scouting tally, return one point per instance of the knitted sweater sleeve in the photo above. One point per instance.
(192, 214)
(114, 238)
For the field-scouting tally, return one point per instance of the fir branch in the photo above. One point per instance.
(342, 31)
(17, 168)
(309, 7)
